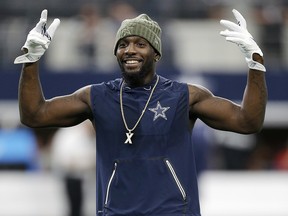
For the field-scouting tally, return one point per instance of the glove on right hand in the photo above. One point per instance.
(38, 40)
(239, 34)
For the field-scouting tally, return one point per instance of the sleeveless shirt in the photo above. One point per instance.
(155, 175)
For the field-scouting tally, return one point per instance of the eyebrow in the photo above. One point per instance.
(137, 38)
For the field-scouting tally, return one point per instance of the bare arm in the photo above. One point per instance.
(220, 113)
(224, 114)
(36, 111)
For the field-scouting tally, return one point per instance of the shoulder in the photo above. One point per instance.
(197, 88)
(198, 93)
(168, 84)
(109, 85)
(83, 94)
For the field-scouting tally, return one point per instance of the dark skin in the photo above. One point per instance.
(137, 60)
(137, 69)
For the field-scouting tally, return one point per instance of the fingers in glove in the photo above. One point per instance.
(227, 33)
(44, 14)
(236, 40)
(42, 22)
(234, 27)
(39, 41)
(231, 25)
(240, 19)
(53, 27)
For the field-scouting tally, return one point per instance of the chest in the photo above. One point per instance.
(157, 116)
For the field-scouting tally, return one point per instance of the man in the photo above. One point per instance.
(143, 122)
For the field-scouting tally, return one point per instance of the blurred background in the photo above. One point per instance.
(51, 172)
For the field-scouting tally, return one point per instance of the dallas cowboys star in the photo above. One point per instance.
(159, 111)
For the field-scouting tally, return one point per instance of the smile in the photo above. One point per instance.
(131, 62)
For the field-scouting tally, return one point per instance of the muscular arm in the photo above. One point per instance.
(223, 114)
(36, 111)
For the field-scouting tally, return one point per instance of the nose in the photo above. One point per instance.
(130, 48)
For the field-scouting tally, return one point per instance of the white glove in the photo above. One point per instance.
(38, 40)
(238, 33)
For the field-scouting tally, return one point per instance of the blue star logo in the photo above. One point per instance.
(159, 111)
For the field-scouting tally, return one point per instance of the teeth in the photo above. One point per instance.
(131, 62)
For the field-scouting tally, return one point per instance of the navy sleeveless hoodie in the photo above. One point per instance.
(155, 175)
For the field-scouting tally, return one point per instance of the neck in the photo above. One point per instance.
(138, 81)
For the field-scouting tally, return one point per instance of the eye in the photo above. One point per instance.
(122, 45)
(141, 44)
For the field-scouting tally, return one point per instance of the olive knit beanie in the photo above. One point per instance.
(142, 26)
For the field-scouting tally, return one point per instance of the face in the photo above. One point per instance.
(136, 58)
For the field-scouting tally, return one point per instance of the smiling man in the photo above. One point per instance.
(143, 121)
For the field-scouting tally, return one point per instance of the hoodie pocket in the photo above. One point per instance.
(109, 184)
(143, 187)
(176, 179)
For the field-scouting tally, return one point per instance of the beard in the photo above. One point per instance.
(137, 76)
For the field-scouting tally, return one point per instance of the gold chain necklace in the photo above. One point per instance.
(129, 134)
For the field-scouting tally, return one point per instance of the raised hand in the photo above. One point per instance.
(38, 40)
(238, 34)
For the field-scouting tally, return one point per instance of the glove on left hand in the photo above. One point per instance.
(38, 40)
(239, 34)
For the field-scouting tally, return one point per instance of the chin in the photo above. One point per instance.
(133, 75)
(132, 69)
(131, 72)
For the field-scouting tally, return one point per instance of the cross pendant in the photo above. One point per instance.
(129, 136)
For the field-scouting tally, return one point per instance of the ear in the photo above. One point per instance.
(157, 57)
